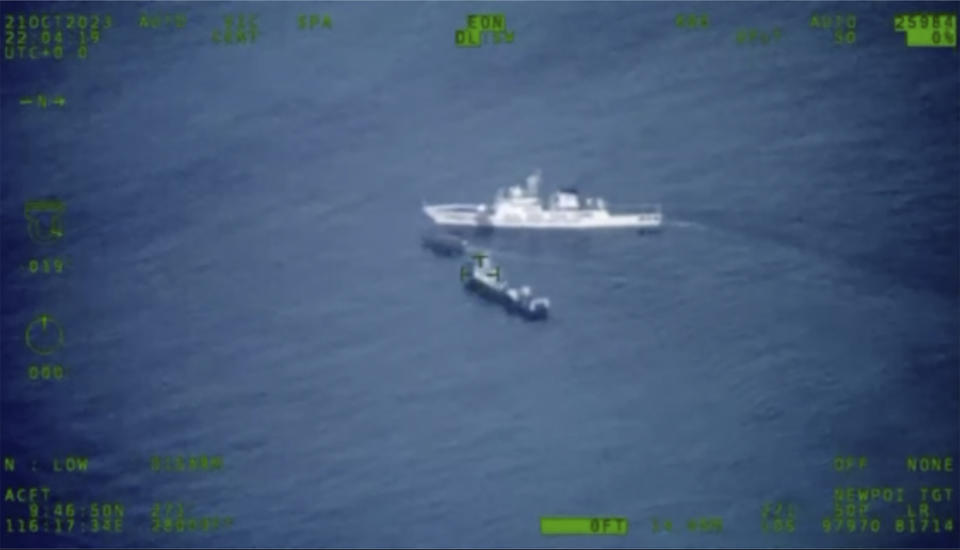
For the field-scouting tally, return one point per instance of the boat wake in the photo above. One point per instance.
(680, 224)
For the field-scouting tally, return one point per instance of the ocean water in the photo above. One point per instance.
(244, 276)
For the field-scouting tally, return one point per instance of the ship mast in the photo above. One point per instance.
(533, 183)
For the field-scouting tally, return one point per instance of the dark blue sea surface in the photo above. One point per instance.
(245, 279)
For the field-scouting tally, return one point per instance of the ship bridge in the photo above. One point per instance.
(565, 200)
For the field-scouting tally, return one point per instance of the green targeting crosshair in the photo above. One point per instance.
(36, 211)
(479, 257)
(44, 335)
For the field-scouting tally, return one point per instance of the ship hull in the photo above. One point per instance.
(501, 297)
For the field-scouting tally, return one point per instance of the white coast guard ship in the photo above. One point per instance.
(519, 207)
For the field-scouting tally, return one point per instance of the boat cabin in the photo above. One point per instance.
(516, 196)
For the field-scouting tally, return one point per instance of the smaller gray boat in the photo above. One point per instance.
(485, 281)
(444, 244)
